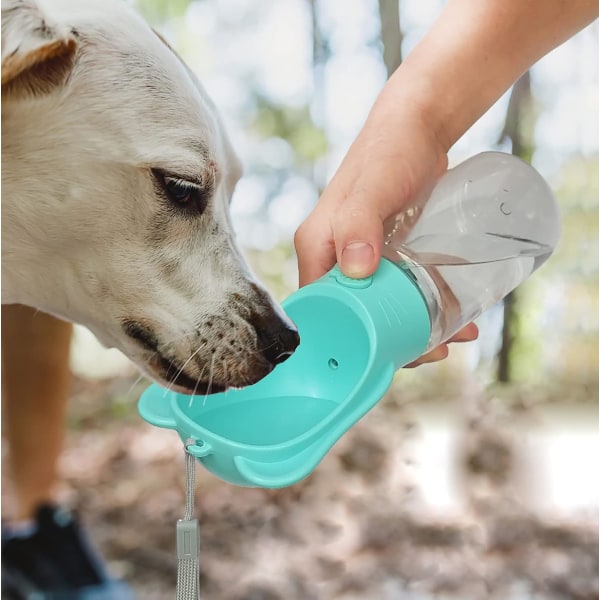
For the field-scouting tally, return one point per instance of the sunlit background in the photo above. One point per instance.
(294, 81)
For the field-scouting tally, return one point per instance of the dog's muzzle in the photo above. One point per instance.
(237, 362)
(277, 340)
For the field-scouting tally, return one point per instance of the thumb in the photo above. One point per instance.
(357, 225)
(358, 236)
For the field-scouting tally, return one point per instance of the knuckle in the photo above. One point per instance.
(302, 233)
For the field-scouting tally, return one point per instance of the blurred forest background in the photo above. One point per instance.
(475, 477)
(295, 79)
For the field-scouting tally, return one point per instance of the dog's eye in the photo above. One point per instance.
(184, 194)
(179, 190)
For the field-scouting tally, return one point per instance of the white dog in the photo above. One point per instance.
(116, 180)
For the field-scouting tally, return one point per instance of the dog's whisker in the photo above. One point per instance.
(167, 389)
(187, 362)
(210, 378)
(170, 383)
(237, 354)
(179, 372)
(196, 388)
(260, 350)
(139, 378)
(224, 365)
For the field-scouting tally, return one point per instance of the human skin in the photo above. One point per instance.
(472, 54)
(34, 408)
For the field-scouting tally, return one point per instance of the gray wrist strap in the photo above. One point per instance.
(188, 537)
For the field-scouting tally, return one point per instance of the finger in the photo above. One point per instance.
(358, 221)
(439, 353)
(467, 334)
(314, 249)
(358, 237)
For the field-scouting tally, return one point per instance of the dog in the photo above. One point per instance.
(117, 175)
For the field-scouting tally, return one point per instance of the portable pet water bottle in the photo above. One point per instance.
(488, 224)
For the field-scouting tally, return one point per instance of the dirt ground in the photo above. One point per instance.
(354, 530)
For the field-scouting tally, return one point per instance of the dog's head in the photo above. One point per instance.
(117, 176)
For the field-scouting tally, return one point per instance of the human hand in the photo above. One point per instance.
(394, 163)
(467, 60)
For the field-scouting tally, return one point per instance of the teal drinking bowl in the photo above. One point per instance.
(354, 334)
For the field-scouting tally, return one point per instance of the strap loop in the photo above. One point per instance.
(188, 537)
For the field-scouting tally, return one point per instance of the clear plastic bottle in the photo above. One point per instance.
(487, 225)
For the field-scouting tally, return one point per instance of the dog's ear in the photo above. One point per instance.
(37, 55)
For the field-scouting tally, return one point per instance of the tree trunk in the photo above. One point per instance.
(391, 34)
(320, 56)
(519, 107)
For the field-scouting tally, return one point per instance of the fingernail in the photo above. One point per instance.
(357, 258)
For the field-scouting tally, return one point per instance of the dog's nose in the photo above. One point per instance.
(277, 340)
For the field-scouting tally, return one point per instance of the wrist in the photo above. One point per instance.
(406, 110)
(424, 106)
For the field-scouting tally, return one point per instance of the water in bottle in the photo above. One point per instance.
(488, 224)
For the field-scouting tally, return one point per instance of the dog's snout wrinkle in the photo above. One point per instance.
(142, 334)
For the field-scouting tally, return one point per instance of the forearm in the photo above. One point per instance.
(471, 56)
(474, 52)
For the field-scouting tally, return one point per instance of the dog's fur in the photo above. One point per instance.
(98, 116)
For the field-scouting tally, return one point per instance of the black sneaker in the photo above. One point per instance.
(55, 562)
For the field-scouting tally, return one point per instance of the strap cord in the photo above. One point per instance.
(188, 537)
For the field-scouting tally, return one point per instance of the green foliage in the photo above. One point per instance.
(293, 124)
(270, 266)
(158, 12)
(568, 349)
(557, 322)
(578, 188)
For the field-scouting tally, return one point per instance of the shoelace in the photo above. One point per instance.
(188, 537)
